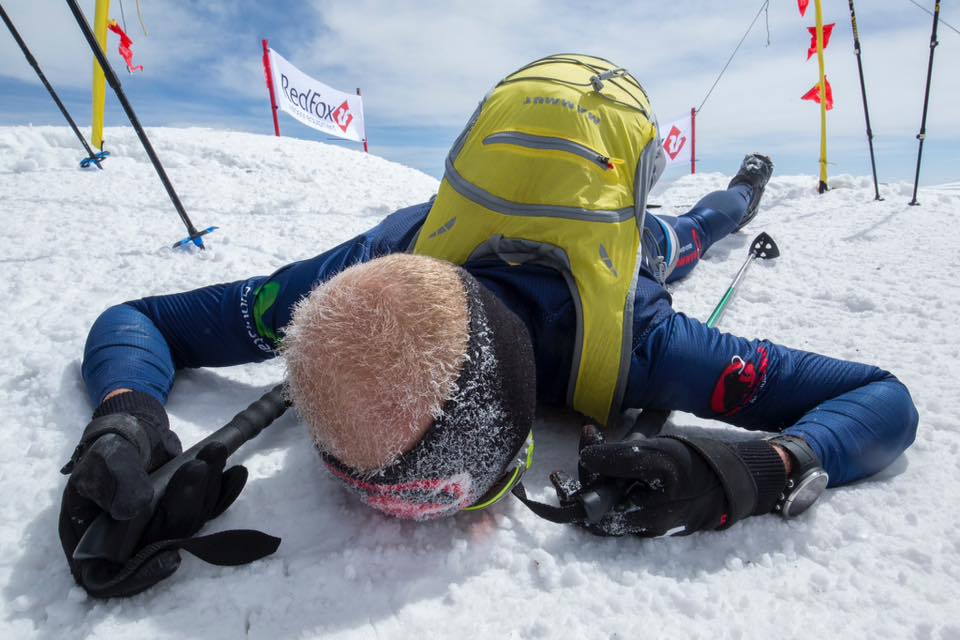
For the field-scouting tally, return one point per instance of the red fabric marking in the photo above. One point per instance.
(125, 47)
(399, 508)
(697, 251)
(434, 484)
(416, 500)
(803, 4)
(814, 93)
(827, 32)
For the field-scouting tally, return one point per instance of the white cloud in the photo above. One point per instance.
(183, 41)
(426, 64)
(430, 63)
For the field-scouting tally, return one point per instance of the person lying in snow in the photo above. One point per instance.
(419, 378)
(416, 379)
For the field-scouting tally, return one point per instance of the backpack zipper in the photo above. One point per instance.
(506, 207)
(548, 143)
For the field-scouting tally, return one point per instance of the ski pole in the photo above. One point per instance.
(602, 498)
(116, 540)
(763, 248)
(53, 94)
(114, 81)
(863, 94)
(926, 101)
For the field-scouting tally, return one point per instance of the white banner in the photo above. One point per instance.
(314, 103)
(677, 140)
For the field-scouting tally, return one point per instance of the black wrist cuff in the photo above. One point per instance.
(140, 405)
(151, 415)
(767, 469)
(735, 477)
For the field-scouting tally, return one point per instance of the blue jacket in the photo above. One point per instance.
(857, 418)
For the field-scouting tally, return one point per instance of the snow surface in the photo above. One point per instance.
(858, 279)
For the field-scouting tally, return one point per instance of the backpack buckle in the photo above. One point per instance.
(597, 80)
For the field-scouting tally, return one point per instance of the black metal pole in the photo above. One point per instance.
(926, 101)
(863, 93)
(43, 79)
(114, 81)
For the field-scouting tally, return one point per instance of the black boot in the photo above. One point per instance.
(755, 171)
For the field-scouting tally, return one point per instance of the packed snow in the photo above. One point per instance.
(858, 279)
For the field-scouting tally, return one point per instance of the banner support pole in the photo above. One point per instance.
(366, 149)
(693, 140)
(268, 72)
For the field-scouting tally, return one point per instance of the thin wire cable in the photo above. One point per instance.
(729, 60)
(123, 17)
(140, 18)
(942, 21)
(766, 17)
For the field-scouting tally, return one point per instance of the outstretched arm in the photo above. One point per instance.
(139, 345)
(854, 418)
(130, 359)
(857, 418)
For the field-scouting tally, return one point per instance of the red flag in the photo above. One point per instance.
(814, 93)
(803, 6)
(125, 43)
(827, 32)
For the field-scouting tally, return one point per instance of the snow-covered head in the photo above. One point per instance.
(417, 384)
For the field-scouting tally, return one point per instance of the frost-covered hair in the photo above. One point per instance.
(373, 354)
(479, 432)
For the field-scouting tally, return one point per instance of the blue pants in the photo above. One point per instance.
(711, 219)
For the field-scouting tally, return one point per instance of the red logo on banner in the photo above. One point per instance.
(342, 116)
(674, 142)
(802, 5)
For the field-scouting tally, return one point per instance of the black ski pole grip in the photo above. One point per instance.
(116, 540)
(600, 500)
(248, 424)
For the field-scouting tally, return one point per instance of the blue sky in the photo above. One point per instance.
(424, 65)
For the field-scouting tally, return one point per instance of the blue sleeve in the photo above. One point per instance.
(856, 417)
(140, 344)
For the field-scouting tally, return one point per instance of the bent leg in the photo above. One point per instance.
(716, 214)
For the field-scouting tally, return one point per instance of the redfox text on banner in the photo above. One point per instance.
(315, 104)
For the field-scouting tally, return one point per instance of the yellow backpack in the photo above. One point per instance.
(554, 168)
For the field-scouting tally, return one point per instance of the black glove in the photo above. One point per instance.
(128, 438)
(674, 485)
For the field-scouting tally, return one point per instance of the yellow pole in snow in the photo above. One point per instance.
(823, 101)
(100, 19)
